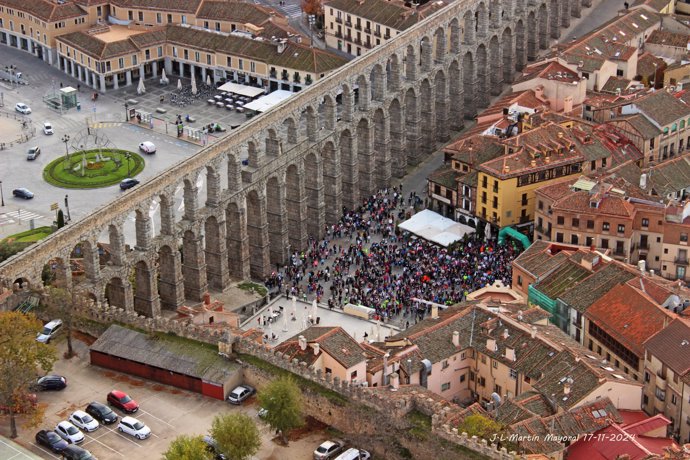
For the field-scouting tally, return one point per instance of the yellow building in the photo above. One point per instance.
(534, 158)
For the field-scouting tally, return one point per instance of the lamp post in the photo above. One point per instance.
(312, 20)
(126, 111)
(65, 139)
(127, 157)
(2, 197)
(67, 207)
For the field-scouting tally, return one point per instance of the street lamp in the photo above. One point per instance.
(126, 111)
(67, 207)
(2, 197)
(127, 157)
(65, 139)
(312, 20)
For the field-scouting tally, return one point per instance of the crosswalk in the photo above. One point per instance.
(105, 124)
(13, 217)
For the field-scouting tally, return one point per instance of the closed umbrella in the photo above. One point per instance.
(194, 85)
(179, 84)
(164, 79)
(141, 89)
(487, 231)
(294, 305)
(314, 312)
(208, 80)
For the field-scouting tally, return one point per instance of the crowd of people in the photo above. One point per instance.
(364, 259)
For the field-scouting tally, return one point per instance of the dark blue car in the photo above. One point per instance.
(128, 183)
(23, 193)
(51, 440)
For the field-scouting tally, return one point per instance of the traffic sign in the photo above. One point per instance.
(54, 207)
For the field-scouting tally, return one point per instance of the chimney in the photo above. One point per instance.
(456, 339)
(302, 343)
(505, 334)
(651, 272)
(567, 385)
(207, 298)
(534, 332)
(282, 44)
(506, 169)
(533, 163)
(434, 312)
(568, 104)
(395, 381)
(510, 354)
(491, 344)
(317, 349)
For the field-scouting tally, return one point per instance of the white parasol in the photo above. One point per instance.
(179, 84)
(315, 312)
(208, 80)
(141, 89)
(378, 331)
(294, 304)
(194, 91)
(487, 231)
(164, 79)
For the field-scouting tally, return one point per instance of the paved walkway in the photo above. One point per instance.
(10, 450)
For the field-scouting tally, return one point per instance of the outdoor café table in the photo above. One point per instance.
(220, 104)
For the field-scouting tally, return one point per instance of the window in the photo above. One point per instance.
(645, 400)
(574, 239)
(645, 222)
(445, 386)
(660, 394)
(559, 237)
(513, 374)
(134, 59)
(481, 381)
(229, 61)
(590, 224)
(121, 63)
(159, 18)
(186, 54)
(494, 364)
(252, 66)
(605, 226)
(462, 378)
(130, 15)
(483, 359)
(621, 228)
(674, 399)
(196, 56)
(498, 389)
(208, 59)
(495, 203)
(444, 364)
(160, 51)
(141, 15)
(560, 220)
(170, 19)
(471, 376)
(684, 237)
(184, 19)
(205, 24)
(540, 204)
(240, 64)
(218, 26)
(353, 375)
(576, 222)
(519, 280)
(589, 241)
(646, 376)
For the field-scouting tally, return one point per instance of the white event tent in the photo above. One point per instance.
(434, 227)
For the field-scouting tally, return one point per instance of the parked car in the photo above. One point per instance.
(23, 193)
(134, 427)
(49, 331)
(77, 453)
(262, 412)
(354, 454)
(51, 440)
(128, 183)
(328, 450)
(122, 401)
(69, 432)
(83, 421)
(147, 147)
(212, 447)
(47, 128)
(33, 153)
(22, 406)
(22, 108)
(240, 393)
(50, 382)
(102, 413)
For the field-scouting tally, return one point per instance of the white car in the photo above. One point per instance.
(354, 454)
(22, 108)
(47, 128)
(83, 421)
(134, 427)
(69, 433)
(147, 147)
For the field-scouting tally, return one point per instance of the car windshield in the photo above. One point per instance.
(322, 449)
(52, 436)
(138, 425)
(46, 330)
(86, 418)
(33, 149)
(125, 399)
(72, 430)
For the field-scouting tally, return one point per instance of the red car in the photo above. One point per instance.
(122, 401)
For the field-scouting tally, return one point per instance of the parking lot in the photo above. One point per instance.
(168, 411)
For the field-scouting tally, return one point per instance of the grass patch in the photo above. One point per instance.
(29, 236)
(332, 396)
(119, 165)
(253, 287)
(421, 425)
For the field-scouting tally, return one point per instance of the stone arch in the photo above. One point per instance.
(565, 12)
(146, 301)
(170, 284)
(257, 232)
(276, 217)
(440, 45)
(397, 142)
(508, 55)
(347, 99)
(117, 292)
(193, 266)
(495, 14)
(237, 241)
(350, 168)
(470, 28)
(216, 253)
(332, 181)
(362, 93)
(482, 82)
(440, 108)
(328, 112)
(143, 227)
(272, 143)
(520, 45)
(378, 83)
(310, 120)
(426, 54)
(313, 186)
(116, 240)
(455, 96)
(469, 87)
(58, 272)
(190, 195)
(495, 64)
(532, 36)
(393, 73)
(365, 157)
(291, 129)
(482, 23)
(90, 260)
(234, 173)
(455, 37)
(411, 64)
(296, 204)
(427, 121)
(412, 138)
(543, 20)
(554, 19)
(254, 154)
(382, 159)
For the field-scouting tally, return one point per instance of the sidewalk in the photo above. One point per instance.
(11, 450)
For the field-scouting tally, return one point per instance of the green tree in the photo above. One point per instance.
(236, 435)
(186, 447)
(282, 400)
(60, 219)
(59, 301)
(21, 358)
(480, 426)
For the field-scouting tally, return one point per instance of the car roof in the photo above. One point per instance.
(129, 419)
(118, 393)
(65, 423)
(55, 321)
(327, 444)
(80, 413)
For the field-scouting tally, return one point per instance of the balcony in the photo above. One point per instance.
(377, 33)
(339, 20)
(387, 37)
(348, 23)
(367, 30)
(525, 219)
(338, 34)
(494, 189)
(358, 26)
(348, 37)
(367, 45)
(357, 41)
(681, 261)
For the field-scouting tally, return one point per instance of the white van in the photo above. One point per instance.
(354, 454)
(49, 331)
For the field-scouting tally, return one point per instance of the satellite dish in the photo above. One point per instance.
(496, 398)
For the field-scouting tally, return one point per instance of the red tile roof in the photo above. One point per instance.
(551, 70)
(614, 441)
(629, 316)
(672, 346)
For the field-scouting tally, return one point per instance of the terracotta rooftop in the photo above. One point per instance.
(188, 6)
(334, 341)
(641, 124)
(526, 99)
(445, 176)
(475, 150)
(645, 64)
(549, 70)
(46, 10)
(542, 257)
(393, 14)
(615, 85)
(561, 279)
(671, 176)
(667, 38)
(662, 108)
(629, 316)
(591, 289)
(672, 346)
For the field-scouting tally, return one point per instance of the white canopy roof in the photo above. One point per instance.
(264, 103)
(242, 90)
(436, 228)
